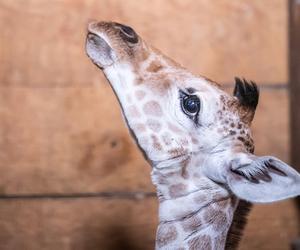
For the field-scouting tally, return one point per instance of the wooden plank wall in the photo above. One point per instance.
(61, 130)
(294, 57)
(294, 84)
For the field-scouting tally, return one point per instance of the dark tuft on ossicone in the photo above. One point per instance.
(246, 92)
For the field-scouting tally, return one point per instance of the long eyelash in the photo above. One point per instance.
(196, 119)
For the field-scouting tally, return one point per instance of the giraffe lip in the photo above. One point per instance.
(98, 50)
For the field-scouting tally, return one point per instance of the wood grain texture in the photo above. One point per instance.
(271, 226)
(93, 224)
(294, 84)
(42, 42)
(88, 224)
(270, 126)
(294, 59)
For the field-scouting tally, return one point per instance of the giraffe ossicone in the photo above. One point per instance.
(196, 137)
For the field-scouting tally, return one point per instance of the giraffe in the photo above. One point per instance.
(196, 137)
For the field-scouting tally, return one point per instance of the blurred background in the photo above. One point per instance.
(71, 176)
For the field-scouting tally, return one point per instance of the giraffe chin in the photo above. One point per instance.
(99, 51)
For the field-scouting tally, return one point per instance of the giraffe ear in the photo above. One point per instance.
(247, 94)
(265, 179)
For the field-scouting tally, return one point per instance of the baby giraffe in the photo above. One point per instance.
(195, 136)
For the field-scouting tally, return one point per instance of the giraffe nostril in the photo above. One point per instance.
(127, 30)
(127, 33)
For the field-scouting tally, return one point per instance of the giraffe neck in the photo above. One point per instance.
(194, 212)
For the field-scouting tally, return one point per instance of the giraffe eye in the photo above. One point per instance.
(190, 105)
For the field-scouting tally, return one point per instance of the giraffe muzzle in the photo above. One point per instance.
(98, 45)
(109, 42)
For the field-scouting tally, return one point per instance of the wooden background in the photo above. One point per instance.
(62, 137)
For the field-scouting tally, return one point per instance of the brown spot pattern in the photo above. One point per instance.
(160, 85)
(239, 129)
(133, 112)
(166, 234)
(139, 94)
(154, 125)
(154, 67)
(194, 140)
(184, 171)
(144, 55)
(152, 108)
(174, 128)
(223, 204)
(200, 242)
(210, 214)
(192, 223)
(247, 141)
(156, 143)
(161, 179)
(242, 139)
(232, 132)
(220, 222)
(174, 152)
(177, 190)
(167, 139)
(215, 217)
(139, 127)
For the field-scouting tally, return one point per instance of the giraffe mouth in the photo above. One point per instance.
(98, 50)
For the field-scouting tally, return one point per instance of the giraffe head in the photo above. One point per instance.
(184, 121)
